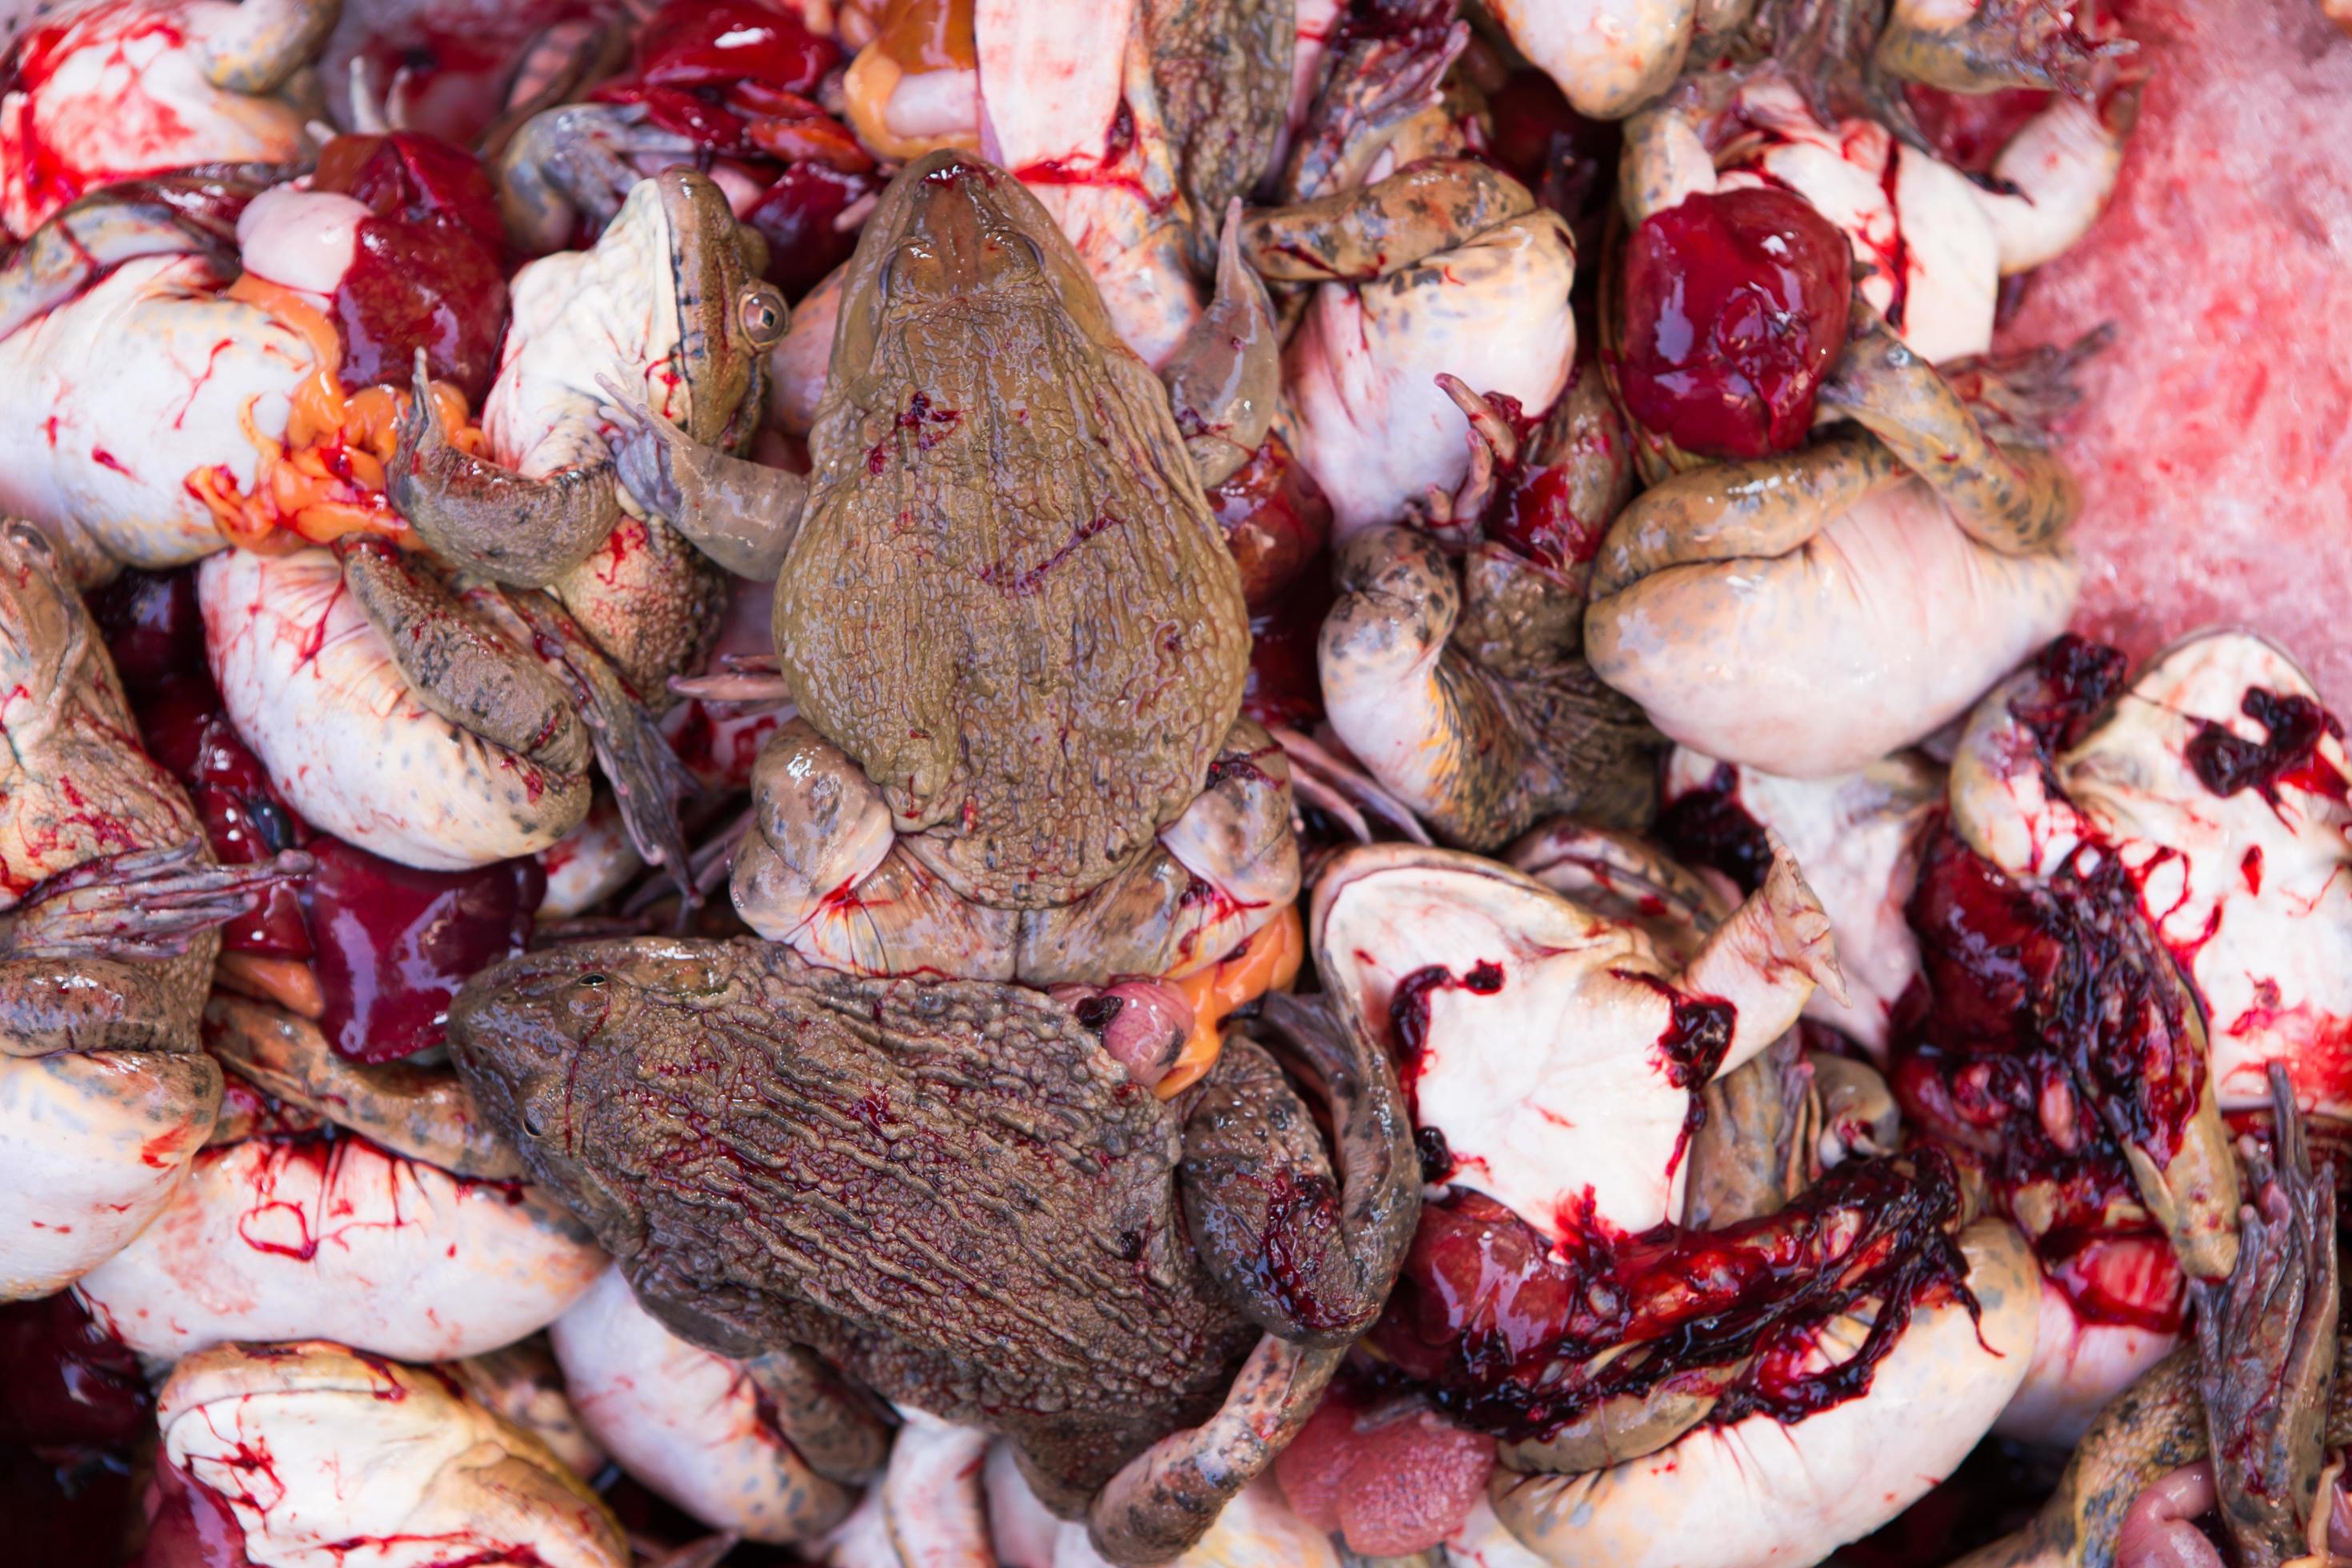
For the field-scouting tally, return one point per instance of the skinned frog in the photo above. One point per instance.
(1464, 690)
(669, 298)
(955, 1193)
(1010, 624)
(1810, 612)
(106, 944)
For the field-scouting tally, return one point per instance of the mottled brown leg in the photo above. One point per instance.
(492, 521)
(2000, 44)
(140, 907)
(459, 665)
(2017, 499)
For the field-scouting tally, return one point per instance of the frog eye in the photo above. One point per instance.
(533, 1122)
(763, 316)
(595, 980)
(1036, 252)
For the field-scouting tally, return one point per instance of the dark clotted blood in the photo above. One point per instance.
(1692, 1046)
(1736, 307)
(1276, 520)
(72, 1403)
(2288, 752)
(1568, 161)
(395, 943)
(151, 627)
(1408, 1012)
(2209, 439)
(426, 272)
(2046, 1032)
(1504, 1328)
(1284, 685)
(2077, 678)
(1708, 827)
(65, 1379)
(1968, 130)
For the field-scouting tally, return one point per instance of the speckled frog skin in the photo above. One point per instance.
(1007, 601)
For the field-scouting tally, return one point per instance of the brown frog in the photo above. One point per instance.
(954, 1191)
(1009, 618)
(574, 613)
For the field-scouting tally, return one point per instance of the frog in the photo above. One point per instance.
(541, 614)
(1811, 612)
(953, 1192)
(109, 905)
(1006, 614)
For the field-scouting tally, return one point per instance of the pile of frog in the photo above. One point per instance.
(1057, 781)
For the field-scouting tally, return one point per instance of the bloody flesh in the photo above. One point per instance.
(1734, 308)
(1501, 1326)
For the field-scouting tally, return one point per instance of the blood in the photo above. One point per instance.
(194, 1526)
(799, 215)
(1691, 1048)
(1736, 307)
(1409, 1013)
(717, 43)
(72, 1406)
(1284, 685)
(2076, 680)
(1275, 520)
(2046, 1032)
(1568, 161)
(2288, 753)
(1708, 827)
(1506, 1330)
(151, 627)
(426, 270)
(1968, 130)
(2208, 441)
(64, 1379)
(395, 943)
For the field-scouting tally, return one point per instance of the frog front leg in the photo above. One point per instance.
(143, 905)
(264, 42)
(2014, 497)
(1250, 1153)
(2267, 1339)
(741, 514)
(492, 521)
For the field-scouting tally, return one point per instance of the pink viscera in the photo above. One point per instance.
(116, 90)
(2161, 1529)
(2209, 439)
(1393, 1481)
(1735, 309)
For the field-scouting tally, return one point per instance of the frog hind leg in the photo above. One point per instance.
(2000, 44)
(2015, 499)
(492, 521)
(173, 214)
(1165, 1498)
(648, 780)
(459, 665)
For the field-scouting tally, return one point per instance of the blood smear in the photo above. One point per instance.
(2215, 441)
